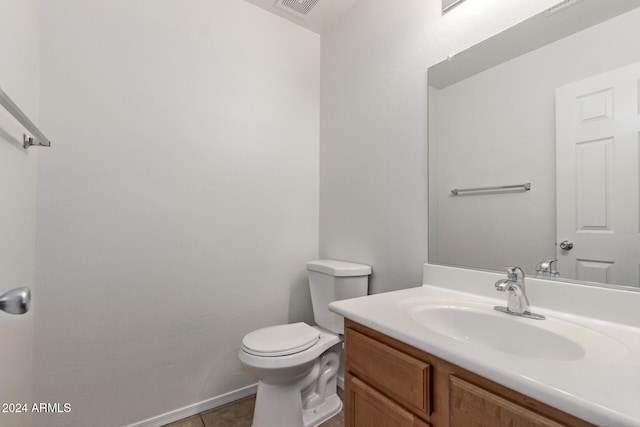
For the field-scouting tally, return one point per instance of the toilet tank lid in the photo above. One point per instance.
(339, 268)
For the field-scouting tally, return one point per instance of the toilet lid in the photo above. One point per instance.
(280, 340)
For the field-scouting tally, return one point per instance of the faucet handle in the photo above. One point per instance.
(545, 268)
(515, 273)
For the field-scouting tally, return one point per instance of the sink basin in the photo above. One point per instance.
(479, 324)
(507, 336)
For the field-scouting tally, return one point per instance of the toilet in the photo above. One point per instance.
(297, 364)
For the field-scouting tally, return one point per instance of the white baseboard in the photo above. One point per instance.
(205, 405)
(196, 408)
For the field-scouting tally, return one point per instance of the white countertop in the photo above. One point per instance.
(603, 392)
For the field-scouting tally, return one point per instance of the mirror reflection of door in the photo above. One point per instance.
(597, 156)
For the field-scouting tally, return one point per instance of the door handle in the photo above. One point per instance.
(566, 245)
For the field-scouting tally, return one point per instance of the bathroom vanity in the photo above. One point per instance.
(390, 383)
(440, 355)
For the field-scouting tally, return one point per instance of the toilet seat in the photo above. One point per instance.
(280, 340)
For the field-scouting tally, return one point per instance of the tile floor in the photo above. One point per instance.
(240, 414)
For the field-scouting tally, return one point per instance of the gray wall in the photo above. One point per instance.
(179, 204)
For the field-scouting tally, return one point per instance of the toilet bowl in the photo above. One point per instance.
(296, 387)
(297, 364)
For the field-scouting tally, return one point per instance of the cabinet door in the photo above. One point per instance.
(472, 406)
(369, 408)
(398, 375)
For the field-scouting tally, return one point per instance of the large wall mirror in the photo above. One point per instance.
(553, 102)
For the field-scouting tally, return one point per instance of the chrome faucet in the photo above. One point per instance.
(545, 268)
(517, 301)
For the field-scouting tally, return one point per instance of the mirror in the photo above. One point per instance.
(553, 102)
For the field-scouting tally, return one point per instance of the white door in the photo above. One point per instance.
(597, 137)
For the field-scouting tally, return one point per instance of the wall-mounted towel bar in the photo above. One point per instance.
(525, 186)
(36, 137)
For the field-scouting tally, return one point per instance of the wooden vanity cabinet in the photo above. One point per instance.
(389, 383)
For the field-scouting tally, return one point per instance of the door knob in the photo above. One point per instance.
(566, 245)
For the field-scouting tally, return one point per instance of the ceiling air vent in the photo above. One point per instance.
(560, 7)
(297, 7)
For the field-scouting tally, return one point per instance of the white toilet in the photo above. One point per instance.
(296, 364)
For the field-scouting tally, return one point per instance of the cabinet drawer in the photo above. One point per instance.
(473, 406)
(400, 376)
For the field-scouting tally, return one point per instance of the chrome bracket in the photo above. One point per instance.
(526, 314)
(29, 141)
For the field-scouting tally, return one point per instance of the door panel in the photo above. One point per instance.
(597, 156)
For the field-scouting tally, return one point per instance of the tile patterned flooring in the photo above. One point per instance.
(240, 414)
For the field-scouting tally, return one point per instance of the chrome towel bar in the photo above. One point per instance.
(38, 137)
(525, 186)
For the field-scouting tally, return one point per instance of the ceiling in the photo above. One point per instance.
(319, 17)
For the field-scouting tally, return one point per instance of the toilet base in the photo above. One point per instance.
(330, 408)
(276, 407)
(307, 402)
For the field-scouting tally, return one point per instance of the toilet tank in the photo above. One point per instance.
(331, 280)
